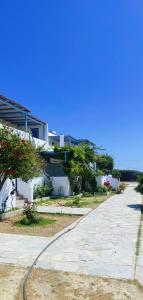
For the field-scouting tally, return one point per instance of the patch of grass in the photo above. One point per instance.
(138, 243)
(84, 201)
(39, 222)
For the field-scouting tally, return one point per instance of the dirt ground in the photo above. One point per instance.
(55, 285)
(62, 221)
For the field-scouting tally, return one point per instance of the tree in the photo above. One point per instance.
(116, 174)
(129, 175)
(104, 163)
(139, 188)
(79, 166)
(18, 157)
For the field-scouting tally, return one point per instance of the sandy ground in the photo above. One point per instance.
(53, 285)
(62, 221)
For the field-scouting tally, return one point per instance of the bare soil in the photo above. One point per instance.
(61, 221)
(54, 285)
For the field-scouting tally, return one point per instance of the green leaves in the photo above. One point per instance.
(104, 163)
(78, 166)
(139, 188)
(18, 157)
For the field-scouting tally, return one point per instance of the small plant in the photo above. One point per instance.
(107, 185)
(87, 194)
(76, 202)
(30, 214)
(121, 188)
(43, 190)
(102, 189)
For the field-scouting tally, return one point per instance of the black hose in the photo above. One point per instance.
(27, 276)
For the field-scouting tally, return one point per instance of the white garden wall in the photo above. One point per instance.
(114, 182)
(61, 186)
(26, 189)
(6, 190)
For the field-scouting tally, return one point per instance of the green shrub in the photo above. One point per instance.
(75, 182)
(30, 214)
(139, 188)
(121, 188)
(102, 189)
(116, 174)
(43, 190)
(129, 175)
(87, 194)
(76, 202)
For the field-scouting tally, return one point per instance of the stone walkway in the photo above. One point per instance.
(102, 244)
(20, 249)
(63, 210)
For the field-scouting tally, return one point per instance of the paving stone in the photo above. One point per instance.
(102, 244)
(63, 210)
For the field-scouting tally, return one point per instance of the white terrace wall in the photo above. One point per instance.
(113, 181)
(26, 136)
(26, 189)
(61, 186)
(5, 192)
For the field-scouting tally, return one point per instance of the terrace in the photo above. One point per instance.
(22, 119)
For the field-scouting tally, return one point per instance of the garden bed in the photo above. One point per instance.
(49, 225)
(89, 202)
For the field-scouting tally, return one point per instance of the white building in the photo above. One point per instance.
(27, 125)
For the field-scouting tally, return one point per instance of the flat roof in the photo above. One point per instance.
(13, 112)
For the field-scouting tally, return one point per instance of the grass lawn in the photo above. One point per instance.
(49, 225)
(42, 222)
(91, 202)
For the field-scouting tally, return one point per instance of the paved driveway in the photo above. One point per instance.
(103, 243)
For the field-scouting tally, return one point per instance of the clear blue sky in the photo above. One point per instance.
(78, 65)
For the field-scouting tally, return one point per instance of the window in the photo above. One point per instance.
(35, 132)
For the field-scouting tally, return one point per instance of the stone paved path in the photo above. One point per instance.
(102, 244)
(20, 249)
(63, 210)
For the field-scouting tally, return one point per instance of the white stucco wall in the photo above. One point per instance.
(113, 181)
(61, 186)
(26, 136)
(26, 189)
(6, 190)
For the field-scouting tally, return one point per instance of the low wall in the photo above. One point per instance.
(26, 136)
(114, 182)
(5, 192)
(26, 188)
(61, 186)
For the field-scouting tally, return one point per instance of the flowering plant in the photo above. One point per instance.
(107, 184)
(18, 157)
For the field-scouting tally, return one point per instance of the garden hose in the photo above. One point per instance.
(27, 276)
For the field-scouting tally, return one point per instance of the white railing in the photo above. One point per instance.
(26, 136)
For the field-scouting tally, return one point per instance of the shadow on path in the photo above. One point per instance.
(136, 206)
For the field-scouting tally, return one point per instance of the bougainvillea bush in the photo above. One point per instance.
(19, 158)
(107, 185)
